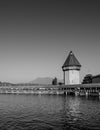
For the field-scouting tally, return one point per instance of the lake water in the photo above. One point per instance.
(49, 112)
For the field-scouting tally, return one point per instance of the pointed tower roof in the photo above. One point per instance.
(71, 61)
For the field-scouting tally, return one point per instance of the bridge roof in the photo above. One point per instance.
(71, 61)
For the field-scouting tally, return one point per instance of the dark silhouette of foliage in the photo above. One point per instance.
(54, 81)
(60, 83)
(87, 79)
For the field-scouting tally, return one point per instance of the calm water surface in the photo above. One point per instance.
(49, 112)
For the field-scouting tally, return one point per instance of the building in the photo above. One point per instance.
(89, 79)
(71, 69)
(96, 79)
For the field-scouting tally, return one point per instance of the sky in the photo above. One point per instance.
(37, 36)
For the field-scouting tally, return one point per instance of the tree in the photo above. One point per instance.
(60, 83)
(54, 81)
(87, 79)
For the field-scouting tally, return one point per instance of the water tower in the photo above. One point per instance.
(71, 70)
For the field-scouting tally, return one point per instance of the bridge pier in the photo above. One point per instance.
(76, 93)
(86, 94)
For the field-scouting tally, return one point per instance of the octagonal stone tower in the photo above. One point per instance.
(71, 70)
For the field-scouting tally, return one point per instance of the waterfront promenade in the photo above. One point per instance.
(81, 89)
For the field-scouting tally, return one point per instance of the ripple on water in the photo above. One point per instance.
(21, 112)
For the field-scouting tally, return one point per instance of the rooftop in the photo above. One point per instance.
(71, 61)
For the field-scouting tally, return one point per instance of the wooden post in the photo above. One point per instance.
(64, 77)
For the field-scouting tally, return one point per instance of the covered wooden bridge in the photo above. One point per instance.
(82, 89)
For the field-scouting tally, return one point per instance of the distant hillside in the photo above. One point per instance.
(44, 80)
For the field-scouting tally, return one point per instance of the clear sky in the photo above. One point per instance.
(37, 35)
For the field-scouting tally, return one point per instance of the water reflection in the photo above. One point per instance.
(70, 111)
(74, 108)
(81, 112)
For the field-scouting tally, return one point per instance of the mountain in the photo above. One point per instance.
(44, 80)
